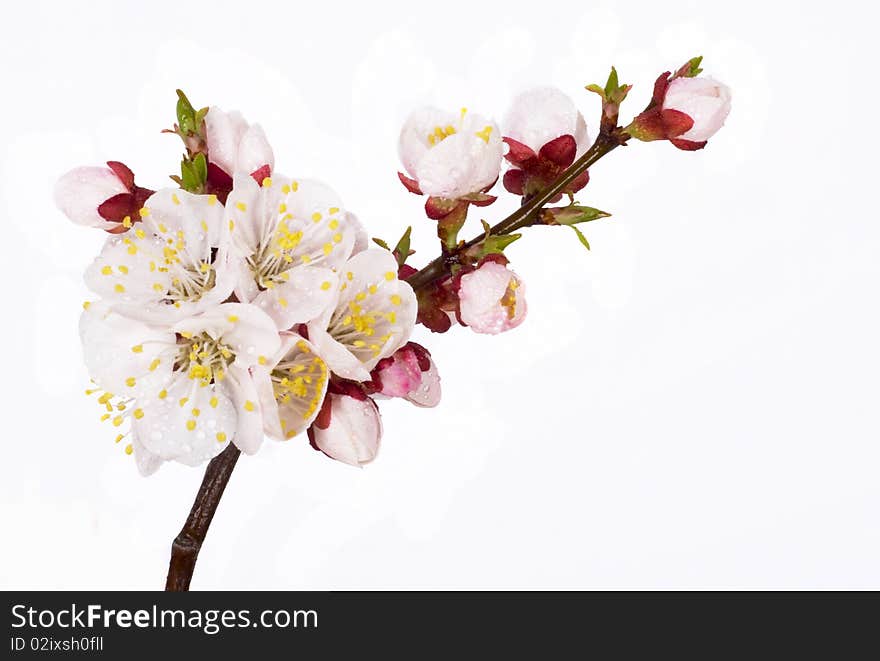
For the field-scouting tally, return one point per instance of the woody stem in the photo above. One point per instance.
(185, 547)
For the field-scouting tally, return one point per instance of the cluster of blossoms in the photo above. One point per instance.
(244, 303)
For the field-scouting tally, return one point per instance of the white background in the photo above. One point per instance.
(693, 404)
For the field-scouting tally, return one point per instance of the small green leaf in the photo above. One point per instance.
(581, 237)
(401, 250)
(200, 117)
(690, 69)
(612, 84)
(596, 89)
(380, 242)
(492, 245)
(189, 176)
(572, 215)
(186, 114)
(200, 167)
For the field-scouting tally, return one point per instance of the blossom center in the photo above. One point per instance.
(299, 380)
(203, 358)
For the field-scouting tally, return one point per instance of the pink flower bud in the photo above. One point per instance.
(540, 115)
(102, 197)
(704, 100)
(235, 146)
(491, 299)
(348, 429)
(409, 373)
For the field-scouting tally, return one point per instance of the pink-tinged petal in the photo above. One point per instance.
(254, 151)
(354, 432)
(491, 299)
(398, 375)
(704, 100)
(428, 393)
(224, 133)
(81, 191)
(540, 115)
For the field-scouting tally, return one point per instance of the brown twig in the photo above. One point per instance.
(186, 546)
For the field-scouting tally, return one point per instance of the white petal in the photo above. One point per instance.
(127, 271)
(542, 114)
(374, 315)
(249, 430)
(186, 422)
(428, 393)
(354, 433)
(147, 463)
(81, 191)
(254, 151)
(340, 360)
(485, 300)
(192, 225)
(307, 293)
(704, 100)
(413, 142)
(244, 328)
(361, 238)
(465, 162)
(123, 355)
(224, 132)
(291, 222)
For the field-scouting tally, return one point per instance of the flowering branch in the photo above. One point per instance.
(245, 304)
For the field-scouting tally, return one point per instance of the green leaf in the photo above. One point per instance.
(189, 176)
(612, 84)
(401, 250)
(200, 117)
(380, 242)
(200, 166)
(690, 69)
(186, 114)
(572, 215)
(596, 89)
(492, 245)
(581, 237)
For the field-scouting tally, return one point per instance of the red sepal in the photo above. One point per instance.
(261, 173)
(518, 154)
(560, 151)
(514, 181)
(410, 184)
(123, 172)
(688, 145)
